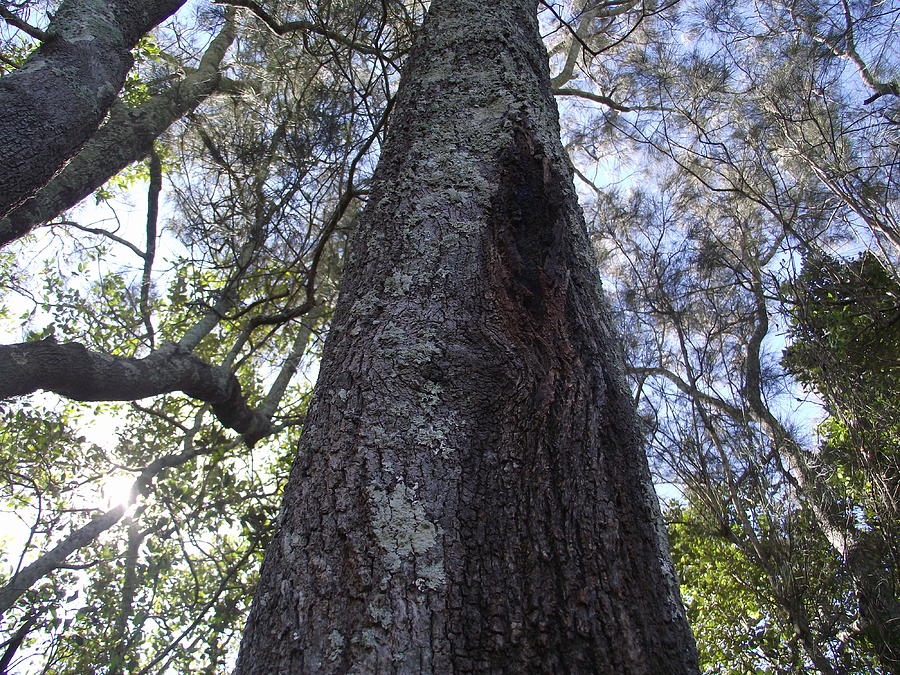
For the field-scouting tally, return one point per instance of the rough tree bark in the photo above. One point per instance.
(126, 137)
(57, 99)
(470, 494)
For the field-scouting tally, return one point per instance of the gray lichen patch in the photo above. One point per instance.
(400, 524)
(380, 613)
(407, 351)
(336, 644)
(431, 576)
(369, 305)
(422, 428)
(398, 284)
(432, 435)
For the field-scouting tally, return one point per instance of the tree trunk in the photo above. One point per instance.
(470, 494)
(56, 100)
(126, 137)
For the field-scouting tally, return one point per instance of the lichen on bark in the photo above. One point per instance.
(469, 493)
(401, 526)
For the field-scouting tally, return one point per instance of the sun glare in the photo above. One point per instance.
(117, 490)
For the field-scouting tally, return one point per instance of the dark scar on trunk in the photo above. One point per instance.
(527, 218)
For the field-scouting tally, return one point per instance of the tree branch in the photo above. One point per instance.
(605, 100)
(71, 370)
(126, 137)
(13, 644)
(55, 101)
(732, 411)
(293, 26)
(48, 562)
(25, 27)
(150, 252)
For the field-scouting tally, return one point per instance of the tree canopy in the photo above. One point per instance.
(166, 285)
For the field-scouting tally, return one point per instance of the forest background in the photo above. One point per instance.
(737, 163)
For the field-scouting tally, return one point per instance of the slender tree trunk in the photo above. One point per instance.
(470, 494)
(56, 100)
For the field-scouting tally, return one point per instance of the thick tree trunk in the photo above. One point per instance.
(470, 494)
(56, 100)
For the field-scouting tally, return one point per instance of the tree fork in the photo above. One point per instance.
(127, 136)
(54, 102)
(470, 494)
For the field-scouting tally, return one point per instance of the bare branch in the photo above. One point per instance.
(71, 370)
(300, 25)
(24, 26)
(605, 100)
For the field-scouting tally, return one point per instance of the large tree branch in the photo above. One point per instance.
(12, 645)
(289, 368)
(121, 641)
(126, 137)
(57, 99)
(578, 38)
(71, 370)
(55, 558)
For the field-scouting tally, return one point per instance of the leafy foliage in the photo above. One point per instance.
(845, 337)
(846, 347)
(735, 620)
